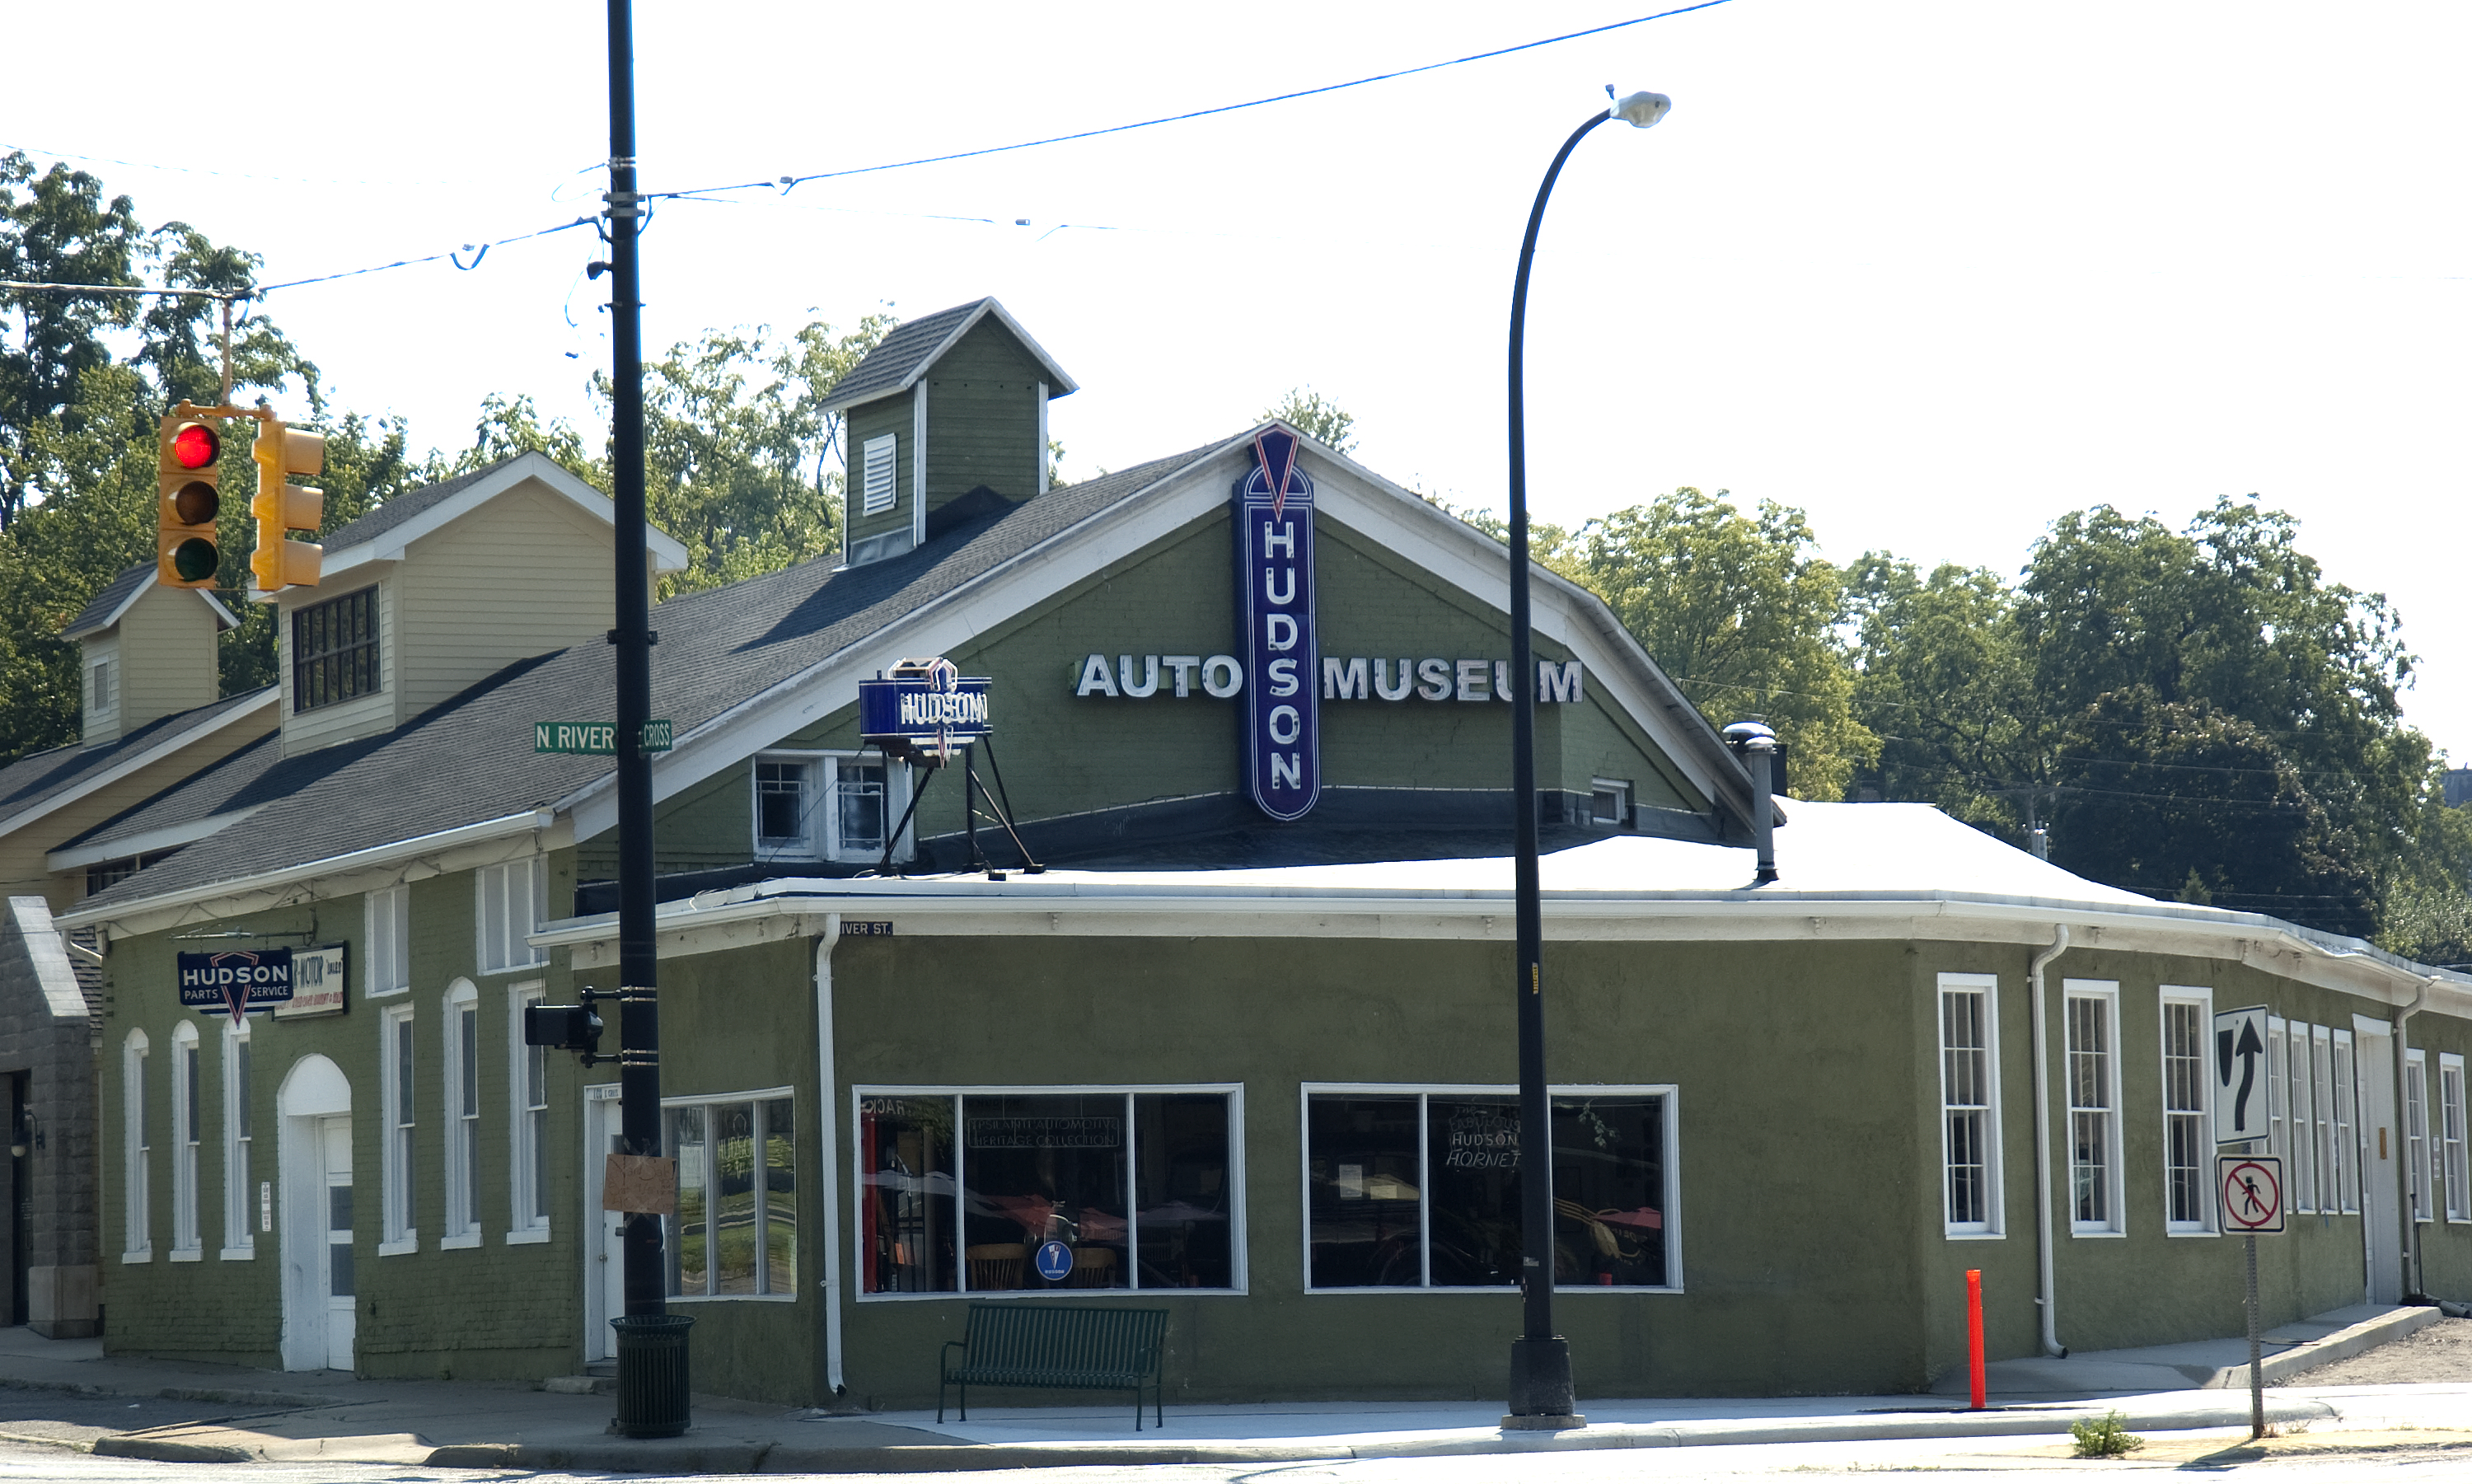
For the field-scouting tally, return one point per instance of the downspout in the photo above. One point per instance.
(829, 1140)
(2046, 1296)
(2413, 1285)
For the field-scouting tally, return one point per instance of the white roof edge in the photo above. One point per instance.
(1786, 914)
(1062, 383)
(668, 553)
(170, 742)
(350, 860)
(148, 841)
(222, 615)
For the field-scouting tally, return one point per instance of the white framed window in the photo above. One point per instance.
(834, 807)
(2348, 1147)
(2279, 1098)
(2321, 1093)
(390, 943)
(735, 1231)
(137, 1157)
(2301, 1088)
(2416, 1133)
(967, 1189)
(2451, 1140)
(2090, 1008)
(1969, 1096)
(2188, 1127)
(1417, 1188)
(240, 1240)
(1609, 802)
(185, 1244)
(514, 898)
(101, 694)
(398, 1215)
(460, 1110)
(876, 467)
(527, 1123)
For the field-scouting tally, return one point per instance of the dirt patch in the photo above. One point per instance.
(2437, 1352)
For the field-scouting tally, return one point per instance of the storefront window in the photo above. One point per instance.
(735, 1231)
(967, 1192)
(1410, 1189)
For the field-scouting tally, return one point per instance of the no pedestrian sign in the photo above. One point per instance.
(2252, 1189)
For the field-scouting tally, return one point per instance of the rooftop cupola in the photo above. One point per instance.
(146, 650)
(945, 423)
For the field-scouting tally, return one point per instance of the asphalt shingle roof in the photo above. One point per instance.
(100, 609)
(403, 507)
(26, 783)
(899, 353)
(242, 780)
(470, 759)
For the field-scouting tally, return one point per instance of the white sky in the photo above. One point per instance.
(1933, 272)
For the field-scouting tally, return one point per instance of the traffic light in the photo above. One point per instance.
(188, 452)
(281, 506)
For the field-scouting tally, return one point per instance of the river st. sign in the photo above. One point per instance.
(594, 737)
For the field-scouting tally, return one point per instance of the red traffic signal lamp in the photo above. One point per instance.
(188, 454)
(280, 507)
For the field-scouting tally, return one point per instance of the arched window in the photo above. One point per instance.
(184, 1142)
(137, 1171)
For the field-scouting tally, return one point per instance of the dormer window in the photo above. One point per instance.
(876, 475)
(335, 650)
(102, 693)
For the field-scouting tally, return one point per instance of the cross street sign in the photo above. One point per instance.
(2251, 1188)
(2239, 1069)
(600, 737)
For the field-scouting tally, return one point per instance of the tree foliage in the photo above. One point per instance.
(1314, 415)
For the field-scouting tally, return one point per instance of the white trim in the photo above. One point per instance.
(969, 322)
(501, 955)
(2203, 999)
(918, 463)
(1995, 1199)
(2415, 1109)
(152, 752)
(2350, 1128)
(526, 1148)
(1239, 1236)
(136, 1160)
(146, 842)
(2325, 1188)
(240, 1214)
(2106, 994)
(2279, 1098)
(828, 1138)
(1672, 1154)
(398, 1173)
(1039, 475)
(820, 819)
(389, 953)
(460, 1223)
(760, 1132)
(188, 1056)
(2453, 1138)
(530, 821)
(390, 545)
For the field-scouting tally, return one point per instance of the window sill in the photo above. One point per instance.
(2190, 1232)
(504, 970)
(237, 1253)
(465, 1243)
(1007, 1295)
(142, 1255)
(754, 1297)
(1976, 1237)
(2097, 1234)
(407, 1243)
(401, 989)
(529, 1238)
(187, 1255)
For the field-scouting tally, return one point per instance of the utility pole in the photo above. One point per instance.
(652, 1346)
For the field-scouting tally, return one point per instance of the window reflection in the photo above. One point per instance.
(905, 1148)
(1039, 1169)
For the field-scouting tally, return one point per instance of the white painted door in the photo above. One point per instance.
(605, 1276)
(334, 1171)
(2381, 1135)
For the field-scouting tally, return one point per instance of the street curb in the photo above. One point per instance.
(615, 1457)
(264, 1399)
(2342, 1345)
(163, 1450)
(38, 1440)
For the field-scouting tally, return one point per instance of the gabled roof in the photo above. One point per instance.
(383, 533)
(31, 787)
(902, 357)
(120, 594)
(233, 787)
(735, 663)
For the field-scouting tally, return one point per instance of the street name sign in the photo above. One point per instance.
(594, 737)
(2239, 1070)
(2251, 1188)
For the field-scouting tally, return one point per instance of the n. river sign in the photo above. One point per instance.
(594, 737)
(2238, 1067)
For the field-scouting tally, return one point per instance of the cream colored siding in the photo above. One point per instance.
(360, 717)
(100, 723)
(525, 574)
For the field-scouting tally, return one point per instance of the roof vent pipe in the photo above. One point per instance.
(1756, 746)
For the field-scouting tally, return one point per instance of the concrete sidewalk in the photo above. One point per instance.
(243, 1416)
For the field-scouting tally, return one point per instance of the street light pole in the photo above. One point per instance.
(1541, 1395)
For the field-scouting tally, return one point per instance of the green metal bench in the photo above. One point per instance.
(1064, 1346)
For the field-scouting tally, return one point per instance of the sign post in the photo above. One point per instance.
(2250, 1189)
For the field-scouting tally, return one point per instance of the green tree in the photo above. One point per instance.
(1941, 678)
(1741, 612)
(1314, 415)
(54, 227)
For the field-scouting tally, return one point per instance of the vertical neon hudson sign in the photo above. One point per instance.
(1274, 600)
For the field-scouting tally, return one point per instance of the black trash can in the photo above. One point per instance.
(651, 1374)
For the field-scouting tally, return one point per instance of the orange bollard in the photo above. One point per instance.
(1974, 1331)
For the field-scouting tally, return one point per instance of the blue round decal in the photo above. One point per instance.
(1055, 1261)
